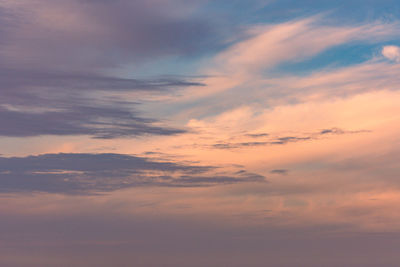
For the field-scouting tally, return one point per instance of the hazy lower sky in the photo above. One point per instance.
(199, 133)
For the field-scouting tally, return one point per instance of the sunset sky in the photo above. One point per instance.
(191, 133)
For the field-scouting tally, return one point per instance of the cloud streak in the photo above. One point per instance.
(96, 121)
(282, 140)
(56, 103)
(95, 173)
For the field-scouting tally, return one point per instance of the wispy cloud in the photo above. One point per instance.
(283, 140)
(246, 63)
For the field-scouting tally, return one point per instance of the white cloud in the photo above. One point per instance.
(391, 52)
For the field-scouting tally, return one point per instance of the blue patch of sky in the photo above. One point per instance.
(336, 57)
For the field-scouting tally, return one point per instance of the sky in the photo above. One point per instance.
(199, 133)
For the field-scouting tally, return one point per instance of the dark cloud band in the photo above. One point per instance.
(94, 173)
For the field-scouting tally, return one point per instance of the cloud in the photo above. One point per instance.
(96, 121)
(252, 64)
(282, 140)
(257, 135)
(94, 173)
(295, 41)
(324, 84)
(61, 76)
(391, 52)
(103, 33)
(23, 79)
(36, 103)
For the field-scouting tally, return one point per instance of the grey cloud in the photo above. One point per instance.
(339, 131)
(237, 145)
(332, 131)
(19, 79)
(55, 103)
(289, 139)
(283, 140)
(99, 122)
(257, 135)
(277, 141)
(93, 173)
